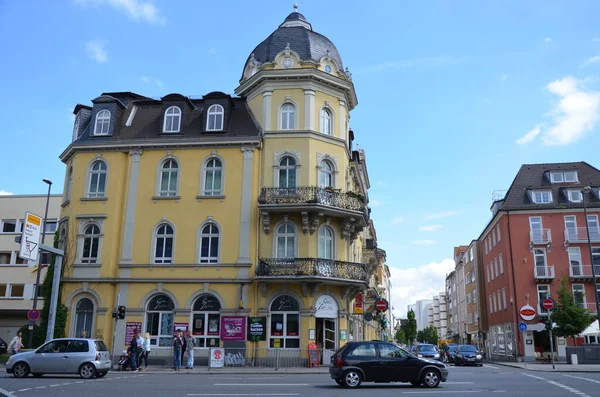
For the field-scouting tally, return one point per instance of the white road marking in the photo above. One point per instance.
(458, 383)
(441, 391)
(40, 387)
(29, 388)
(261, 384)
(557, 384)
(581, 377)
(247, 394)
(79, 381)
(6, 392)
(55, 385)
(66, 384)
(490, 366)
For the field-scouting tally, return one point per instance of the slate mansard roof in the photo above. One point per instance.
(537, 177)
(135, 117)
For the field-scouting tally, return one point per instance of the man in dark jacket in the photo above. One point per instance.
(133, 350)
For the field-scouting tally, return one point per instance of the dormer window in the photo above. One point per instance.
(102, 123)
(563, 177)
(541, 196)
(575, 196)
(215, 118)
(172, 119)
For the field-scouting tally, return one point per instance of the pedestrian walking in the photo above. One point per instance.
(177, 347)
(135, 347)
(140, 349)
(445, 350)
(146, 348)
(190, 343)
(16, 344)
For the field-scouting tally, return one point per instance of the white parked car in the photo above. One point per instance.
(86, 357)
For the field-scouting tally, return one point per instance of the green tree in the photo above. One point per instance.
(400, 336)
(421, 336)
(571, 319)
(430, 335)
(411, 327)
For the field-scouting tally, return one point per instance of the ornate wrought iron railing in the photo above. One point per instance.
(306, 267)
(312, 195)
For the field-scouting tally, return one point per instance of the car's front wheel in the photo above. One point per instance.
(352, 379)
(430, 378)
(21, 370)
(87, 371)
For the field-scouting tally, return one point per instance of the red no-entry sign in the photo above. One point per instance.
(381, 305)
(548, 304)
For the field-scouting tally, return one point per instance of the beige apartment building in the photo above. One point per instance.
(17, 282)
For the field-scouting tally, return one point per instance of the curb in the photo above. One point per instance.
(525, 367)
(290, 371)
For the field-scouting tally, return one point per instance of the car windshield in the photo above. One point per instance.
(426, 348)
(467, 348)
(101, 346)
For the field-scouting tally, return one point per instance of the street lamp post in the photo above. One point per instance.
(585, 190)
(39, 269)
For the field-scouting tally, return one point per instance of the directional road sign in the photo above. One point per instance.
(522, 327)
(30, 239)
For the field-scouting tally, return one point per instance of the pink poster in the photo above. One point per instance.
(233, 328)
(180, 327)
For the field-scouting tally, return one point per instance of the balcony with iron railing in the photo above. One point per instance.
(543, 273)
(311, 269)
(540, 236)
(306, 198)
(580, 234)
(578, 271)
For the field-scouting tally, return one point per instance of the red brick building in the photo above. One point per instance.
(536, 237)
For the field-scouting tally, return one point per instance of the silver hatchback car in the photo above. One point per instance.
(86, 357)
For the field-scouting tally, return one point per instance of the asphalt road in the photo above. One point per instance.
(489, 381)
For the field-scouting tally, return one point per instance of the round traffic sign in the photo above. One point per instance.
(381, 305)
(522, 327)
(548, 303)
(33, 314)
(527, 313)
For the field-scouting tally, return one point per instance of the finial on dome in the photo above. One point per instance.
(295, 6)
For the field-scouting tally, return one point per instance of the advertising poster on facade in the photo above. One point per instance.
(233, 328)
(257, 328)
(180, 327)
(130, 328)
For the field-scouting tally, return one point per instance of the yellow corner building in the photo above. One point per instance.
(207, 214)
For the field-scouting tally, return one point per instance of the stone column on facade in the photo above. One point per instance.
(267, 95)
(309, 110)
(245, 219)
(342, 122)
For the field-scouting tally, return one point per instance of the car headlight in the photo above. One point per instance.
(437, 356)
(478, 356)
(419, 355)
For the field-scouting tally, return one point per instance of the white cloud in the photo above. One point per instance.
(212, 51)
(529, 136)
(435, 61)
(397, 220)
(138, 10)
(416, 283)
(547, 40)
(423, 242)
(5, 193)
(596, 39)
(439, 215)
(430, 228)
(375, 203)
(575, 114)
(96, 51)
(591, 61)
(152, 80)
(504, 77)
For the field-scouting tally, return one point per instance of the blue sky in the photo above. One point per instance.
(445, 88)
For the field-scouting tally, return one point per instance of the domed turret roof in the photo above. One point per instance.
(302, 39)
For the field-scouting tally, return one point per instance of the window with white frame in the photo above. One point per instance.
(493, 237)
(559, 176)
(471, 254)
(285, 241)
(575, 261)
(571, 227)
(213, 177)
(326, 122)
(496, 267)
(209, 243)
(496, 306)
(285, 323)
(491, 306)
(326, 244)
(206, 321)
(536, 229)
(487, 268)
(159, 320)
(543, 291)
(326, 174)
(468, 298)
(16, 291)
(163, 244)
(504, 297)
(474, 297)
(97, 178)
(485, 243)
(469, 318)
(579, 294)
(501, 263)
(541, 196)
(215, 118)
(575, 196)
(539, 257)
(498, 232)
(9, 226)
(5, 257)
(287, 172)
(91, 242)
(473, 276)
(84, 315)
(288, 116)
(592, 221)
(169, 175)
(102, 125)
(172, 119)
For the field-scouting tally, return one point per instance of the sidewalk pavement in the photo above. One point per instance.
(232, 371)
(560, 367)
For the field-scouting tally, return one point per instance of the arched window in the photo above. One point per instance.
(214, 121)
(172, 119)
(84, 315)
(169, 174)
(285, 323)
(206, 321)
(209, 244)
(102, 123)
(285, 241)
(213, 177)
(287, 173)
(288, 116)
(163, 244)
(159, 320)
(91, 241)
(326, 122)
(69, 184)
(326, 174)
(97, 186)
(326, 246)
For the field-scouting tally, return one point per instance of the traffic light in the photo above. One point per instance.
(121, 312)
(548, 325)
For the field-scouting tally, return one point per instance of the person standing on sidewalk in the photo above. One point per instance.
(16, 344)
(190, 343)
(146, 348)
(139, 353)
(177, 347)
(133, 353)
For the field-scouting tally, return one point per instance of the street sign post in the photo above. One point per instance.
(30, 239)
(548, 303)
(381, 305)
(33, 314)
